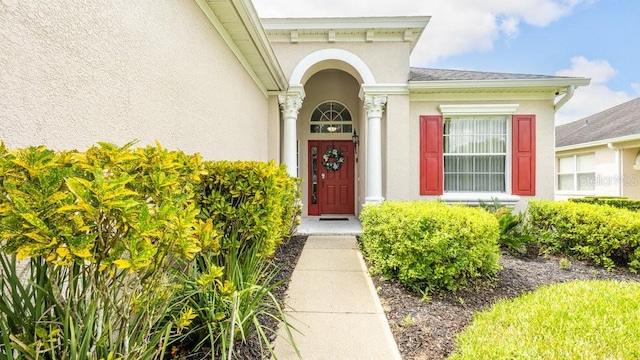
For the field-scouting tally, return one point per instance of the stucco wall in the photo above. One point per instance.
(542, 108)
(73, 73)
(607, 180)
(398, 153)
(388, 61)
(631, 179)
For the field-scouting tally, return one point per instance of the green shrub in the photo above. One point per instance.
(251, 202)
(617, 202)
(430, 246)
(601, 234)
(100, 231)
(130, 251)
(575, 320)
(252, 206)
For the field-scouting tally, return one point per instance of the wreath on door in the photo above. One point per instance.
(333, 159)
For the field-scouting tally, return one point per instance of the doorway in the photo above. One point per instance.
(331, 181)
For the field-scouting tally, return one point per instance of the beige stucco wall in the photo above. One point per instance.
(631, 179)
(73, 73)
(388, 61)
(608, 182)
(398, 155)
(545, 132)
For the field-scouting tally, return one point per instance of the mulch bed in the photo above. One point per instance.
(286, 257)
(425, 329)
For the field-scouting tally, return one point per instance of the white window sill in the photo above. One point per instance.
(477, 198)
(576, 192)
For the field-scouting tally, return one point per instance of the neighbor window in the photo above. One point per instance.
(475, 153)
(331, 117)
(577, 172)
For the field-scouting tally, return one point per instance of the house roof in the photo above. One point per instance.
(424, 74)
(619, 123)
(346, 29)
(239, 25)
(427, 80)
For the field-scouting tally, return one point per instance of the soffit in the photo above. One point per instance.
(238, 23)
(361, 29)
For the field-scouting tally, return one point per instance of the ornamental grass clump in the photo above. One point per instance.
(574, 320)
(252, 206)
(430, 246)
(129, 253)
(99, 232)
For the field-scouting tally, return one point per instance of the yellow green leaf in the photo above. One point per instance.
(122, 263)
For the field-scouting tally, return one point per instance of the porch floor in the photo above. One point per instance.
(330, 225)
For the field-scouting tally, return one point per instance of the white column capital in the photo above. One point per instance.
(290, 104)
(374, 105)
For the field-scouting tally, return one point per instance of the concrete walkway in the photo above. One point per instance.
(333, 304)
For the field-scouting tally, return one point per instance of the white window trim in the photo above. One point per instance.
(321, 123)
(508, 173)
(478, 109)
(575, 191)
(474, 198)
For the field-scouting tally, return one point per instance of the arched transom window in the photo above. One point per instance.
(331, 118)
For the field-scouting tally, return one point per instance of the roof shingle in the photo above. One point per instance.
(616, 122)
(427, 74)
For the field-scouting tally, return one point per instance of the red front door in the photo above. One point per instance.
(331, 191)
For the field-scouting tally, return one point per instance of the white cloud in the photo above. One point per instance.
(600, 71)
(456, 27)
(459, 27)
(594, 98)
(636, 88)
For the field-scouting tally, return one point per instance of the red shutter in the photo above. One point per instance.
(431, 171)
(524, 155)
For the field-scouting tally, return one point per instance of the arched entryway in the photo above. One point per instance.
(325, 81)
(331, 162)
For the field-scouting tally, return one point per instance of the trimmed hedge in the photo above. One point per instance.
(250, 202)
(430, 246)
(617, 202)
(601, 234)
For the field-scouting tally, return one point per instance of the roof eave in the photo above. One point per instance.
(261, 40)
(621, 139)
(392, 22)
(246, 14)
(551, 83)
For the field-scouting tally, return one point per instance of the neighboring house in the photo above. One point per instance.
(600, 154)
(211, 77)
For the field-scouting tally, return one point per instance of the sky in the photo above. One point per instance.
(597, 39)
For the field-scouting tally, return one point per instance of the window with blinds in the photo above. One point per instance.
(475, 153)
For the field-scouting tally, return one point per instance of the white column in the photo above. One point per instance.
(374, 105)
(290, 105)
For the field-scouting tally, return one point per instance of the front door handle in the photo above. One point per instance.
(322, 176)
